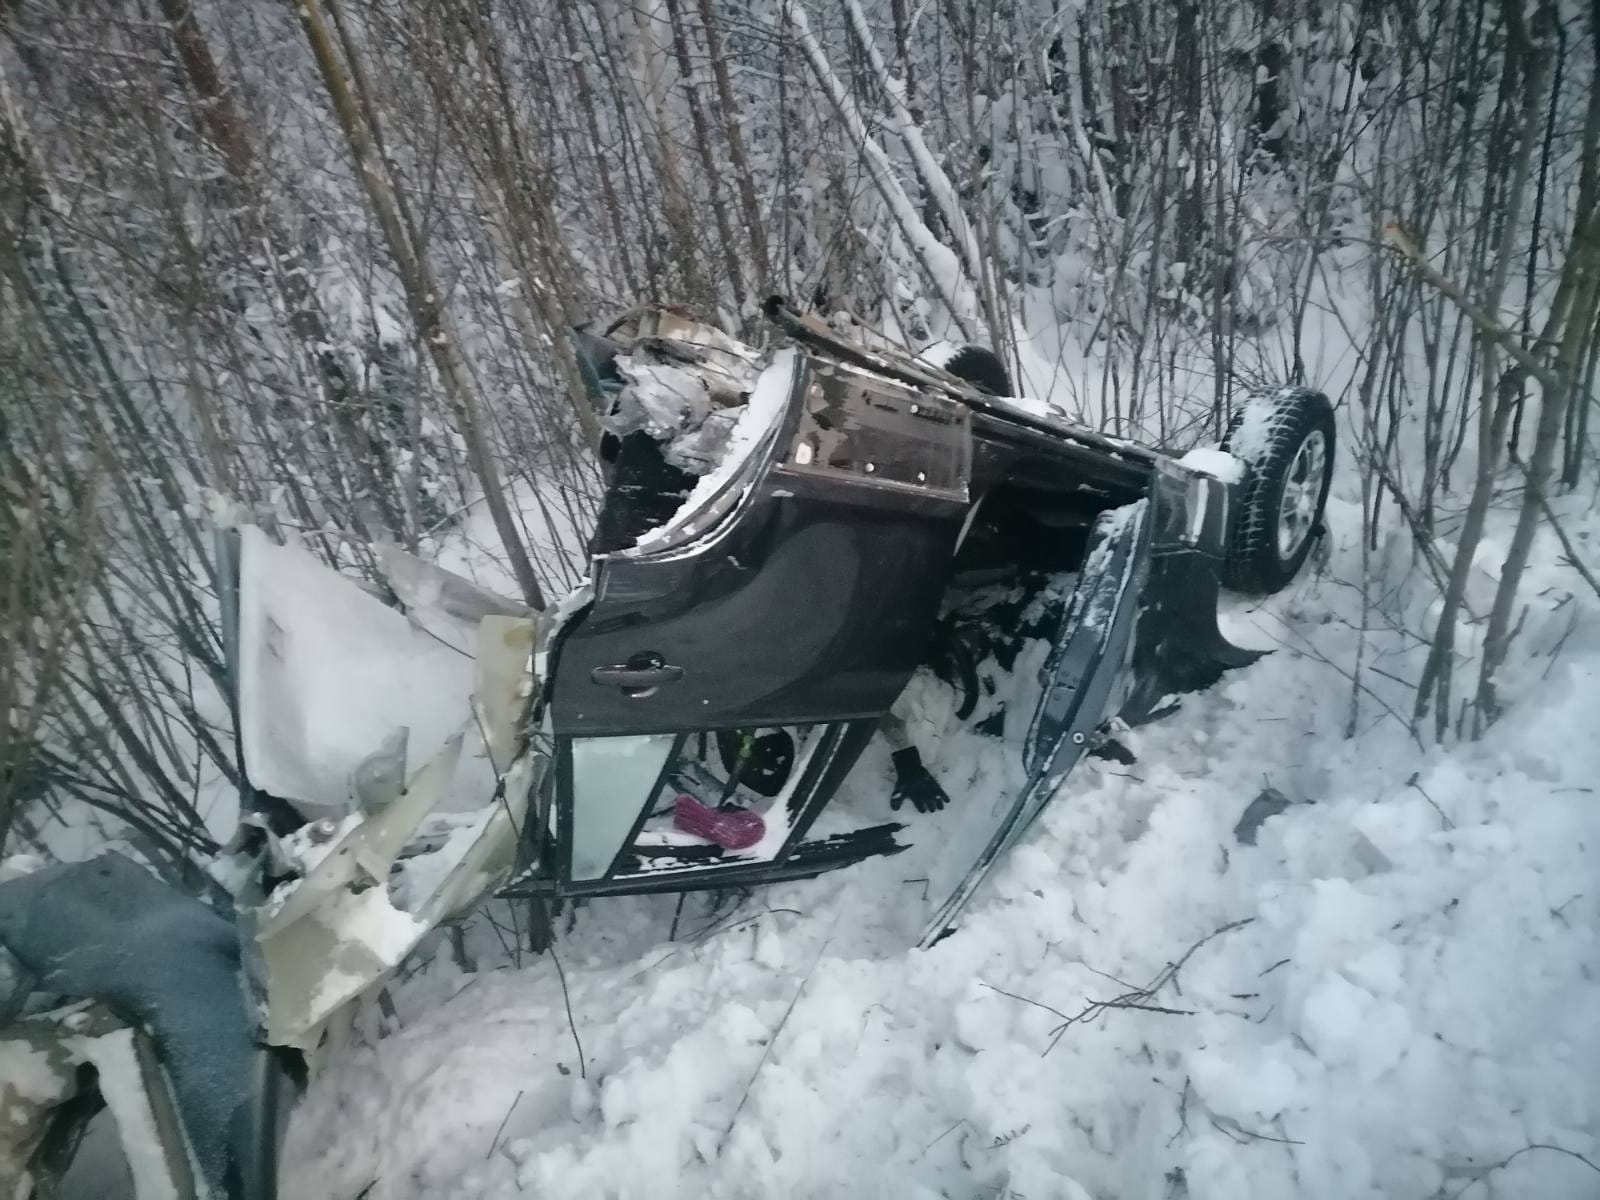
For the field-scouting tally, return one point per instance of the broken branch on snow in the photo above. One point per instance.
(1135, 998)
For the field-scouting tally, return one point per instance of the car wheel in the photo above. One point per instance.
(1285, 438)
(972, 364)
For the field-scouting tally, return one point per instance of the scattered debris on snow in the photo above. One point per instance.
(1269, 802)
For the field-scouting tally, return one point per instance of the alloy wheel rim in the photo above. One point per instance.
(1302, 488)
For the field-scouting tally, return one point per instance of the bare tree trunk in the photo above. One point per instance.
(1540, 473)
(423, 293)
(227, 130)
(936, 185)
(727, 111)
(600, 163)
(949, 284)
(1581, 283)
(1494, 412)
(221, 119)
(533, 220)
(708, 159)
(644, 78)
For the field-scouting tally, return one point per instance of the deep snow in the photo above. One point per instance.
(1408, 1003)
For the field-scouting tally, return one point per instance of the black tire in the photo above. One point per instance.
(978, 366)
(1284, 436)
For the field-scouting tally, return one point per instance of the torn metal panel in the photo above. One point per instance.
(441, 602)
(327, 673)
(337, 933)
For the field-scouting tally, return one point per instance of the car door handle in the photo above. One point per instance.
(636, 675)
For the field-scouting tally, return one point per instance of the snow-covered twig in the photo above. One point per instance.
(1025, 1000)
(1135, 998)
(721, 927)
(1555, 651)
(1233, 1127)
(1511, 1158)
(1310, 649)
(778, 1029)
(503, 1122)
(512, 945)
(1412, 782)
(677, 915)
(953, 1127)
(566, 1000)
(1562, 536)
(1183, 1113)
(1487, 327)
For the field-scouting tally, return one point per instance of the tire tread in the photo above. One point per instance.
(1253, 564)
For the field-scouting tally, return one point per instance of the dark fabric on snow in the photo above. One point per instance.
(109, 930)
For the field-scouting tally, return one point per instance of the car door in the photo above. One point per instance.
(801, 592)
(1081, 683)
(1141, 627)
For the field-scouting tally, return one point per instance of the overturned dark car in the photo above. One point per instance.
(872, 513)
(802, 549)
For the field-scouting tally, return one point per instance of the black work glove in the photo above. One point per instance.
(913, 781)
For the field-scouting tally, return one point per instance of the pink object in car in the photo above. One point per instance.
(732, 829)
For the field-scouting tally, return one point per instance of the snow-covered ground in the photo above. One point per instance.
(1389, 994)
